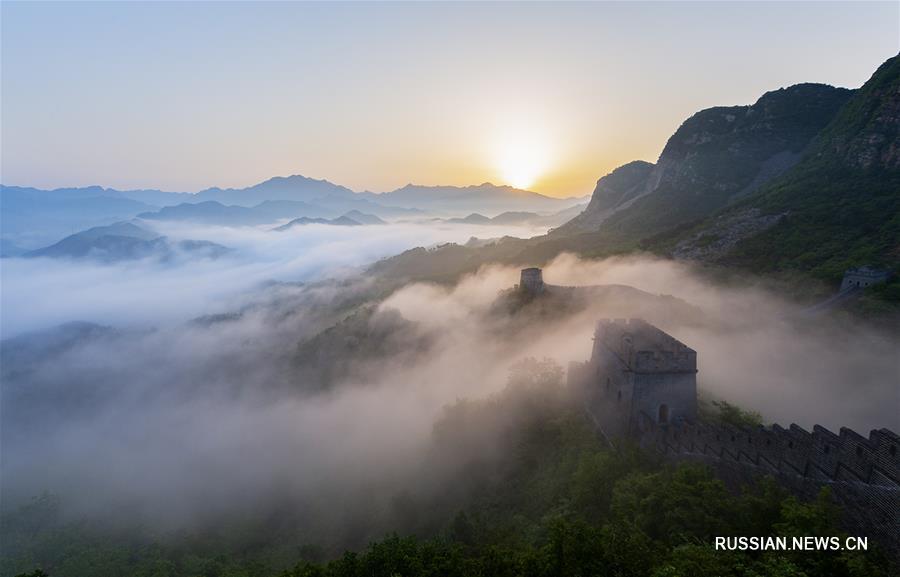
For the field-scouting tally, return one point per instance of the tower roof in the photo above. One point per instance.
(644, 348)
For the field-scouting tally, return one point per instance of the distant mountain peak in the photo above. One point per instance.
(293, 178)
(124, 241)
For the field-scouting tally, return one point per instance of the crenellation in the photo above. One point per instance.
(665, 361)
(863, 277)
(531, 281)
(855, 454)
(641, 383)
(825, 445)
(886, 458)
(793, 450)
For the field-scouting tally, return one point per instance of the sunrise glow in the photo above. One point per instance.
(521, 160)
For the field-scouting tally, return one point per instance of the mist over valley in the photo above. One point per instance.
(530, 376)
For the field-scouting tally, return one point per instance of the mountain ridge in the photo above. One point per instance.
(124, 241)
(715, 156)
(32, 217)
(838, 207)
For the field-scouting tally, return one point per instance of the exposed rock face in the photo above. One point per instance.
(725, 232)
(613, 191)
(717, 155)
(841, 200)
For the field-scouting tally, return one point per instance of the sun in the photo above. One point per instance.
(518, 172)
(521, 161)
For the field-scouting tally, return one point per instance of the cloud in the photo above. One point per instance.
(186, 422)
(40, 293)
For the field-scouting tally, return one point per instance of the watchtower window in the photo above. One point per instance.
(608, 383)
(663, 413)
(893, 450)
(620, 396)
(859, 451)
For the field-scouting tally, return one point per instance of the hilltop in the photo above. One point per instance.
(806, 181)
(716, 156)
(839, 207)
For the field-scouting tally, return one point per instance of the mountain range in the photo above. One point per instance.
(32, 218)
(716, 157)
(521, 218)
(805, 180)
(482, 198)
(838, 207)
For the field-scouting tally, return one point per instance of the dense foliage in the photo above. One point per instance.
(550, 500)
(842, 202)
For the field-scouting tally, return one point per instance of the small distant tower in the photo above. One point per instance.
(532, 281)
(862, 277)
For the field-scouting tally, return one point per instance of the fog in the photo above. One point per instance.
(323, 395)
(41, 293)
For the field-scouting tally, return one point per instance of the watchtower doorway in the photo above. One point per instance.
(663, 414)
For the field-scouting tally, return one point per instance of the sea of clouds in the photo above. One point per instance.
(173, 421)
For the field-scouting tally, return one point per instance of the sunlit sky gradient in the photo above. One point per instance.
(184, 96)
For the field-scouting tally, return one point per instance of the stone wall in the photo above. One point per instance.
(642, 347)
(635, 369)
(531, 280)
(863, 277)
(862, 472)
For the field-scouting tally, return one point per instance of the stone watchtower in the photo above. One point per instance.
(532, 281)
(636, 371)
(863, 277)
(641, 383)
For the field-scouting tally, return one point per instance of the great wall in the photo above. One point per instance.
(861, 472)
(640, 385)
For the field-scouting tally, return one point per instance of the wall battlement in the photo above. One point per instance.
(664, 361)
(531, 281)
(640, 383)
(863, 473)
(820, 454)
(644, 348)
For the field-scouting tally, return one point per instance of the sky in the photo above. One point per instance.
(183, 96)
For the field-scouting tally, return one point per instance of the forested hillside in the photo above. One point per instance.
(539, 494)
(716, 156)
(840, 206)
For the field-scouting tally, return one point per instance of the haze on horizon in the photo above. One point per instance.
(184, 96)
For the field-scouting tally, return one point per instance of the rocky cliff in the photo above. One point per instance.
(717, 156)
(613, 191)
(838, 207)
